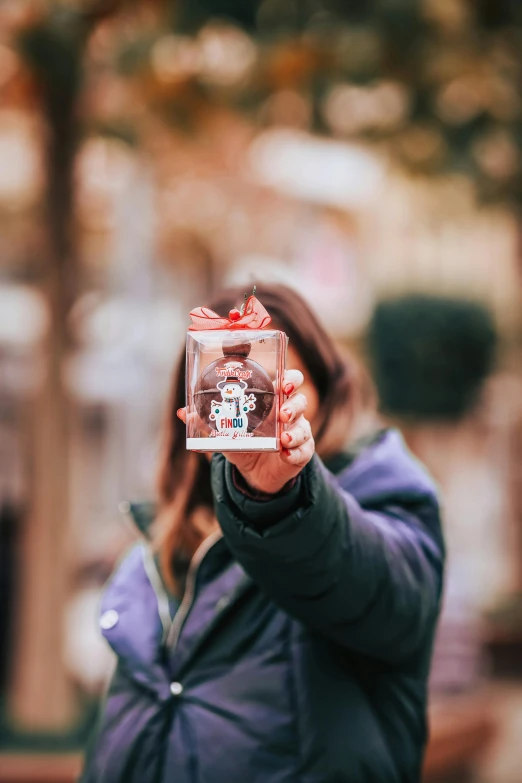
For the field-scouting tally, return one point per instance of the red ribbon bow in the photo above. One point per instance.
(254, 317)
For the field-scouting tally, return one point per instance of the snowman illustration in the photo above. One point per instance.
(231, 412)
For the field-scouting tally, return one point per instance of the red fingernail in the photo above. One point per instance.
(179, 412)
(289, 389)
(286, 452)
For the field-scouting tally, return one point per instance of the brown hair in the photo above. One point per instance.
(186, 505)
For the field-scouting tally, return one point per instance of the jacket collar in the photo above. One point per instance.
(135, 617)
(141, 514)
(131, 622)
(395, 472)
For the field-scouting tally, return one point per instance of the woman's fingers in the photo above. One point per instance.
(292, 380)
(192, 420)
(294, 407)
(297, 434)
(299, 455)
(298, 443)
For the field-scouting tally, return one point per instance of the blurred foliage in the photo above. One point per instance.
(430, 355)
(52, 51)
(506, 615)
(436, 82)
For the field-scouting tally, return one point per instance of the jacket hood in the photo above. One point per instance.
(141, 514)
(386, 471)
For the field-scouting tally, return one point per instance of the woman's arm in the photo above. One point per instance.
(368, 579)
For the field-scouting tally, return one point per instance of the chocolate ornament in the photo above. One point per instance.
(234, 392)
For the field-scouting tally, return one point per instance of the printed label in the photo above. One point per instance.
(233, 370)
(230, 413)
(234, 434)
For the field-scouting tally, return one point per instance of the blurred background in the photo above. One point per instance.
(366, 152)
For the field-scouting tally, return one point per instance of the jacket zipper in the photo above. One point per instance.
(190, 589)
(172, 637)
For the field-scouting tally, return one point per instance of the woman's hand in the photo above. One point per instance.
(269, 472)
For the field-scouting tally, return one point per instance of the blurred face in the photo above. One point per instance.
(308, 389)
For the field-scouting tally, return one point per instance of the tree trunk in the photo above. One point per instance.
(41, 696)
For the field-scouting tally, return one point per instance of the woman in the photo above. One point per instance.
(283, 630)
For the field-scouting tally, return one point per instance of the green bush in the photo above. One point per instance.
(430, 355)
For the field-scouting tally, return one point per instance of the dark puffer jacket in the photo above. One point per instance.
(301, 650)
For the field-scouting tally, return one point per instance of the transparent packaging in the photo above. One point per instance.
(234, 389)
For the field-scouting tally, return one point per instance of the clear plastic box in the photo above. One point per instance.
(234, 389)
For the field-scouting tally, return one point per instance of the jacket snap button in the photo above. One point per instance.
(222, 603)
(109, 619)
(176, 688)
